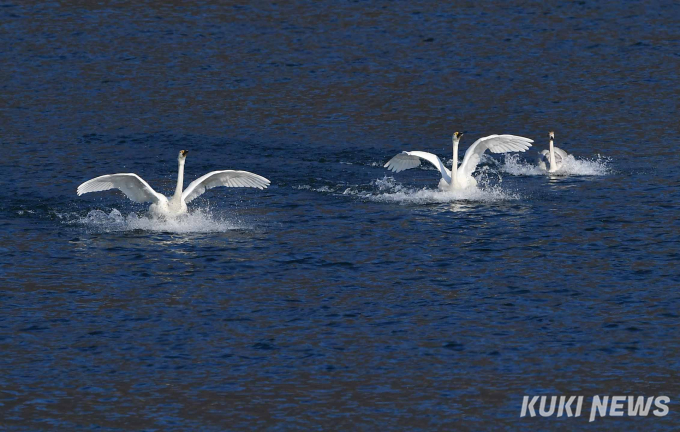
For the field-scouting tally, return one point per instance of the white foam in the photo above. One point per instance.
(197, 221)
(388, 190)
(571, 167)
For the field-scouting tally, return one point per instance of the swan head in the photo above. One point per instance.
(457, 136)
(182, 155)
(551, 135)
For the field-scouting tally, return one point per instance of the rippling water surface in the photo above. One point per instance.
(344, 296)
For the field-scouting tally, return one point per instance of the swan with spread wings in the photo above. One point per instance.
(135, 188)
(460, 177)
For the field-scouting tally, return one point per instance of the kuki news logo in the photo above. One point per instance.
(600, 406)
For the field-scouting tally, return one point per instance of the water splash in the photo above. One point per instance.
(572, 166)
(198, 221)
(388, 190)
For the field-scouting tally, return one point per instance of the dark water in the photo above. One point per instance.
(344, 296)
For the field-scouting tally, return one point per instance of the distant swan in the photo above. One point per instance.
(461, 177)
(551, 160)
(135, 188)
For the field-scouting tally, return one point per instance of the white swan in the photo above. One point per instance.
(551, 160)
(135, 188)
(461, 177)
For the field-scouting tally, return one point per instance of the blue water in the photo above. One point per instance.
(344, 296)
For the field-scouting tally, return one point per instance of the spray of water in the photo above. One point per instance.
(571, 166)
(388, 190)
(197, 221)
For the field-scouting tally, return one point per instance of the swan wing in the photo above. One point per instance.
(495, 144)
(132, 185)
(560, 154)
(227, 178)
(407, 160)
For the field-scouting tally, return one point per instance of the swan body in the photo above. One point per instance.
(552, 159)
(460, 177)
(138, 190)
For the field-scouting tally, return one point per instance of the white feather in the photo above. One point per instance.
(407, 160)
(135, 188)
(226, 178)
(495, 144)
(460, 177)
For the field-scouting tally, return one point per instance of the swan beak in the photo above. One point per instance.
(184, 152)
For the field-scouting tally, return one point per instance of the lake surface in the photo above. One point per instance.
(344, 296)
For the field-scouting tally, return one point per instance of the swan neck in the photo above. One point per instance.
(454, 165)
(552, 155)
(180, 180)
